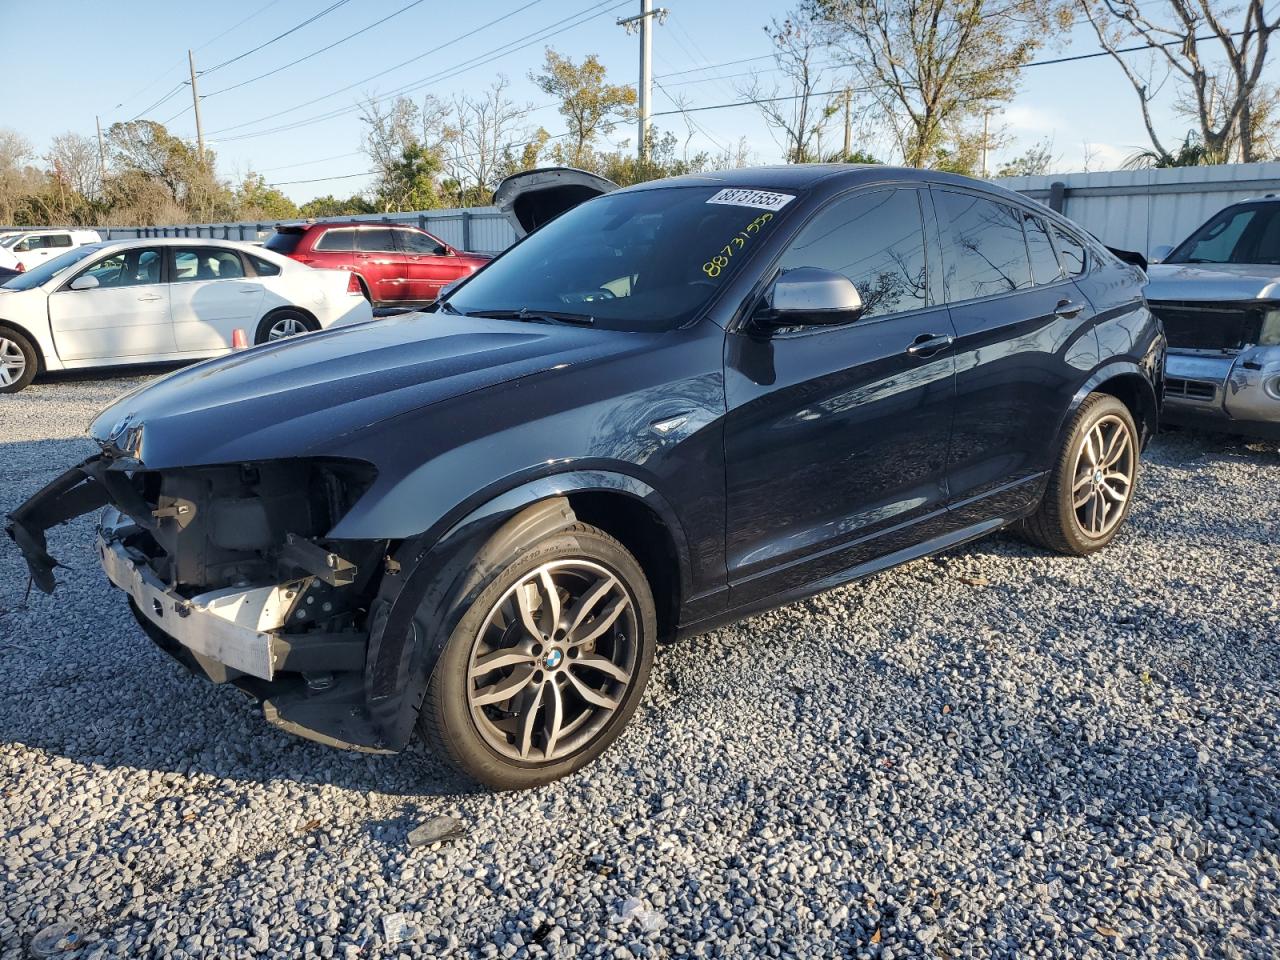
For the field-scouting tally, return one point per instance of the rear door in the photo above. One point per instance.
(1024, 342)
(126, 315)
(836, 437)
(211, 297)
(429, 262)
(382, 264)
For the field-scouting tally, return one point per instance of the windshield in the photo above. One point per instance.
(645, 261)
(1245, 233)
(10, 240)
(50, 268)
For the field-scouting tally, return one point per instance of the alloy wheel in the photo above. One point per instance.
(1103, 475)
(286, 327)
(553, 661)
(13, 362)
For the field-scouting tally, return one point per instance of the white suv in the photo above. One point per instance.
(29, 248)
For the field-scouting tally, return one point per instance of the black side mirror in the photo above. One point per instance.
(810, 296)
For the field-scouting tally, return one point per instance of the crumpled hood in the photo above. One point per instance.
(306, 396)
(1220, 281)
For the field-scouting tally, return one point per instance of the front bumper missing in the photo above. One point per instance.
(233, 626)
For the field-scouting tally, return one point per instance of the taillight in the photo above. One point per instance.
(20, 267)
(353, 285)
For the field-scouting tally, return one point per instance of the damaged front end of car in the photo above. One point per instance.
(228, 568)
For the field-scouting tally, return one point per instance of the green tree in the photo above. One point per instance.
(329, 206)
(590, 105)
(257, 200)
(933, 66)
(145, 155)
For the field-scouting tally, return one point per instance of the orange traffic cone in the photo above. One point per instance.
(238, 340)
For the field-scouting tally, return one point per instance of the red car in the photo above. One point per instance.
(395, 263)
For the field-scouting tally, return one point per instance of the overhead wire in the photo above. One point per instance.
(280, 36)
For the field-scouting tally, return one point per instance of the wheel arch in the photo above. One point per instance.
(431, 568)
(1125, 381)
(31, 338)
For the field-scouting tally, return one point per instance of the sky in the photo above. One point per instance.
(115, 61)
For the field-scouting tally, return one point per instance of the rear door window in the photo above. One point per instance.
(375, 240)
(59, 240)
(206, 263)
(1071, 251)
(1044, 262)
(983, 250)
(284, 242)
(337, 241)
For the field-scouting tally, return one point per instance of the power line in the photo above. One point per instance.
(280, 36)
(314, 53)
(403, 63)
(583, 16)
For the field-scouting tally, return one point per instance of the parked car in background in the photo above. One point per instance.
(396, 264)
(25, 249)
(160, 300)
(1218, 293)
(669, 407)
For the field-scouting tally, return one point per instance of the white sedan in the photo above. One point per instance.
(161, 299)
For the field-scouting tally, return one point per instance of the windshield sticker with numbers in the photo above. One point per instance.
(760, 199)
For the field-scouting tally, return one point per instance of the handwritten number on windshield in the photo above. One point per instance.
(717, 263)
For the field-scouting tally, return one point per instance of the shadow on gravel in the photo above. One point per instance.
(98, 375)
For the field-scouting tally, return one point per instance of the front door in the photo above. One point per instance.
(836, 437)
(429, 262)
(125, 315)
(1023, 344)
(212, 298)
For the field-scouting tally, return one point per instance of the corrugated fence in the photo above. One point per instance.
(1133, 209)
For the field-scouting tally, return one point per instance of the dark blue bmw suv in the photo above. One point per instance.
(665, 408)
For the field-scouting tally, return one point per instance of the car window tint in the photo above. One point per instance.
(60, 240)
(339, 241)
(264, 268)
(376, 240)
(284, 242)
(414, 241)
(128, 268)
(1044, 262)
(984, 253)
(877, 241)
(206, 263)
(1071, 251)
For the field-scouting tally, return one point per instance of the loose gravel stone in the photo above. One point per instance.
(992, 753)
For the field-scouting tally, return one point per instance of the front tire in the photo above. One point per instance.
(18, 361)
(547, 665)
(1093, 480)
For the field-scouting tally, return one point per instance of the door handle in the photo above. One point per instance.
(927, 344)
(1068, 310)
(148, 298)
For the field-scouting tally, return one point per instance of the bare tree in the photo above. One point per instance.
(73, 159)
(798, 110)
(932, 66)
(480, 137)
(16, 174)
(1223, 97)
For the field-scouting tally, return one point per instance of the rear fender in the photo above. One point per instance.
(1148, 399)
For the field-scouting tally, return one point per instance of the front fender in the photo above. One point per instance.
(416, 609)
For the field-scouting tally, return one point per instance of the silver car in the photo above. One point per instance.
(1218, 293)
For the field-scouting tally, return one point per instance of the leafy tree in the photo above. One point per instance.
(256, 200)
(588, 104)
(933, 66)
(662, 159)
(143, 148)
(329, 206)
(1035, 161)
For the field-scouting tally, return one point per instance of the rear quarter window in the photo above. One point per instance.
(283, 242)
(263, 268)
(1071, 253)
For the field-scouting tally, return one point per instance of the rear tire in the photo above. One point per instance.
(529, 689)
(282, 324)
(1093, 480)
(18, 361)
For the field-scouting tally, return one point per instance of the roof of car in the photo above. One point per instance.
(345, 223)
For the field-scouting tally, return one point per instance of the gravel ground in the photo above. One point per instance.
(989, 753)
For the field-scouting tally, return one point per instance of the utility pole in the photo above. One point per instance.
(195, 102)
(986, 121)
(848, 124)
(102, 153)
(644, 92)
